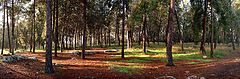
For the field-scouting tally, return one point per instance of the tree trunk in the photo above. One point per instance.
(49, 66)
(13, 26)
(84, 29)
(3, 33)
(202, 48)
(62, 43)
(144, 29)
(233, 39)
(56, 29)
(8, 32)
(212, 33)
(170, 34)
(123, 26)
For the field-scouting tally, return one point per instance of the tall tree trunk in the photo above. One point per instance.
(3, 33)
(212, 33)
(16, 39)
(8, 32)
(34, 43)
(84, 29)
(49, 66)
(170, 34)
(13, 26)
(202, 48)
(123, 26)
(56, 29)
(144, 29)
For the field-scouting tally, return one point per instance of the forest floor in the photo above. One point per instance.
(107, 65)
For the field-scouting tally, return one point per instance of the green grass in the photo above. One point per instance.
(141, 60)
(192, 63)
(156, 52)
(126, 69)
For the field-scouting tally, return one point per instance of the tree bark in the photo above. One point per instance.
(212, 33)
(84, 29)
(8, 32)
(233, 39)
(34, 43)
(56, 29)
(123, 26)
(13, 26)
(49, 66)
(144, 29)
(203, 40)
(3, 33)
(170, 34)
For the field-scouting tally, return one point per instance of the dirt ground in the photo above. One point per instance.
(97, 66)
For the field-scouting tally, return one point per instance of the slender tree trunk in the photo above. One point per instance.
(84, 29)
(202, 48)
(75, 41)
(170, 34)
(16, 39)
(144, 29)
(8, 32)
(3, 33)
(212, 33)
(49, 66)
(13, 26)
(34, 43)
(233, 39)
(123, 26)
(62, 43)
(56, 29)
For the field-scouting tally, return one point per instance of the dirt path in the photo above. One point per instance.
(227, 68)
(97, 67)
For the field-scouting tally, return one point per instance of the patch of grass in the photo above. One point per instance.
(135, 61)
(205, 60)
(126, 69)
(190, 56)
(141, 60)
(221, 53)
(193, 63)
